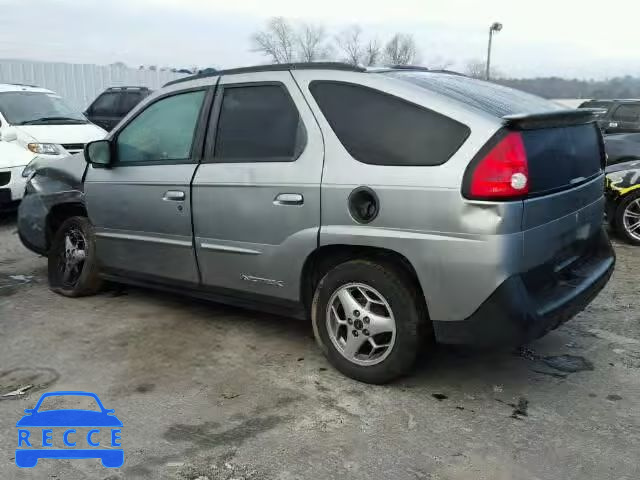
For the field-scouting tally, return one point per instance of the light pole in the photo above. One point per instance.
(495, 27)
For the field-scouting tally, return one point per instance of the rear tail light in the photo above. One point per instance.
(503, 173)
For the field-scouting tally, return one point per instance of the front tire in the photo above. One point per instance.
(627, 218)
(367, 319)
(73, 269)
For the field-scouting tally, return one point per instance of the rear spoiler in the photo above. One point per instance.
(557, 118)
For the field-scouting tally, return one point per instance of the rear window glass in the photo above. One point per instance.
(627, 113)
(604, 105)
(488, 97)
(380, 129)
(129, 100)
(561, 157)
(106, 104)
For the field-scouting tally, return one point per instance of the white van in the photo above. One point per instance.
(36, 122)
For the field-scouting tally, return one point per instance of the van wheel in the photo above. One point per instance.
(73, 271)
(627, 219)
(367, 320)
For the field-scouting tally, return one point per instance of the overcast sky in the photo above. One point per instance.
(569, 38)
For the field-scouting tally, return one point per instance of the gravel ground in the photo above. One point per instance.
(212, 392)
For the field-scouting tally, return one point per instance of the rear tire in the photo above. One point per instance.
(627, 217)
(73, 269)
(376, 338)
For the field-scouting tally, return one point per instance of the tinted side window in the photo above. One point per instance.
(381, 129)
(106, 104)
(163, 131)
(258, 124)
(627, 113)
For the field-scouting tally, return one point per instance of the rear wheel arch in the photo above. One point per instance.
(326, 257)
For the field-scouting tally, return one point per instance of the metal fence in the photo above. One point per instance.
(79, 84)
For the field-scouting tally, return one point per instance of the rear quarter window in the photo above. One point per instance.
(381, 129)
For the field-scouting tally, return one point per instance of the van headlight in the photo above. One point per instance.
(44, 148)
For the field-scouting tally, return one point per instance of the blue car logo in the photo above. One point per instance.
(59, 429)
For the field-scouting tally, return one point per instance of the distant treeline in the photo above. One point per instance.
(555, 87)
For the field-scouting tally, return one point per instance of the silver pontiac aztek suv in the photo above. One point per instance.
(391, 206)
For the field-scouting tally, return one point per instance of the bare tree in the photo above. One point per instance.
(401, 50)
(372, 53)
(350, 44)
(478, 69)
(440, 63)
(312, 43)
(277, 41)
(284, 42)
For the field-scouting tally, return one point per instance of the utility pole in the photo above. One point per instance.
(495, 27)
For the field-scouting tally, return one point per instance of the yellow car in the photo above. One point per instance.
(623, 199)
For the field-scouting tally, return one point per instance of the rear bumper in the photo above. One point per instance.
(529, 305)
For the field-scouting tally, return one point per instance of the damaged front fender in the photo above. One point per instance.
(53, 185)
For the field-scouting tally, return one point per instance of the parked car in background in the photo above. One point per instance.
(622, 116)
(113, 104)
(12, 161)
(622, 147)
(623, 185)
(36, 122)
(389, 206)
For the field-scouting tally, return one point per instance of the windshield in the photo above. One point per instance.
(37, 108)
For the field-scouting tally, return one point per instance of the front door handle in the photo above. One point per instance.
(289, 199)
(174, 196)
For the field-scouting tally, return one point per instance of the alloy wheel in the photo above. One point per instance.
(631, 219)
(72, 257)
(361, 324)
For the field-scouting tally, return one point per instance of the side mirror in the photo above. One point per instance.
(98, 153)
(9, 135)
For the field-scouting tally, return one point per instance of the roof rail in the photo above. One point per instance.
(21, 84)
(273, 68)
(450, 72)
(410, 67)
(414, 69)
(124, 87)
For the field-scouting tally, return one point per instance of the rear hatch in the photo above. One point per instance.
(549, 158)
(565, 250)
(563, 211)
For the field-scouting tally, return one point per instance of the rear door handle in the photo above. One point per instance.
(174, 196)
(289, 199)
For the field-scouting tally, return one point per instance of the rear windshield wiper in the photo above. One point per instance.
(53, 119)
